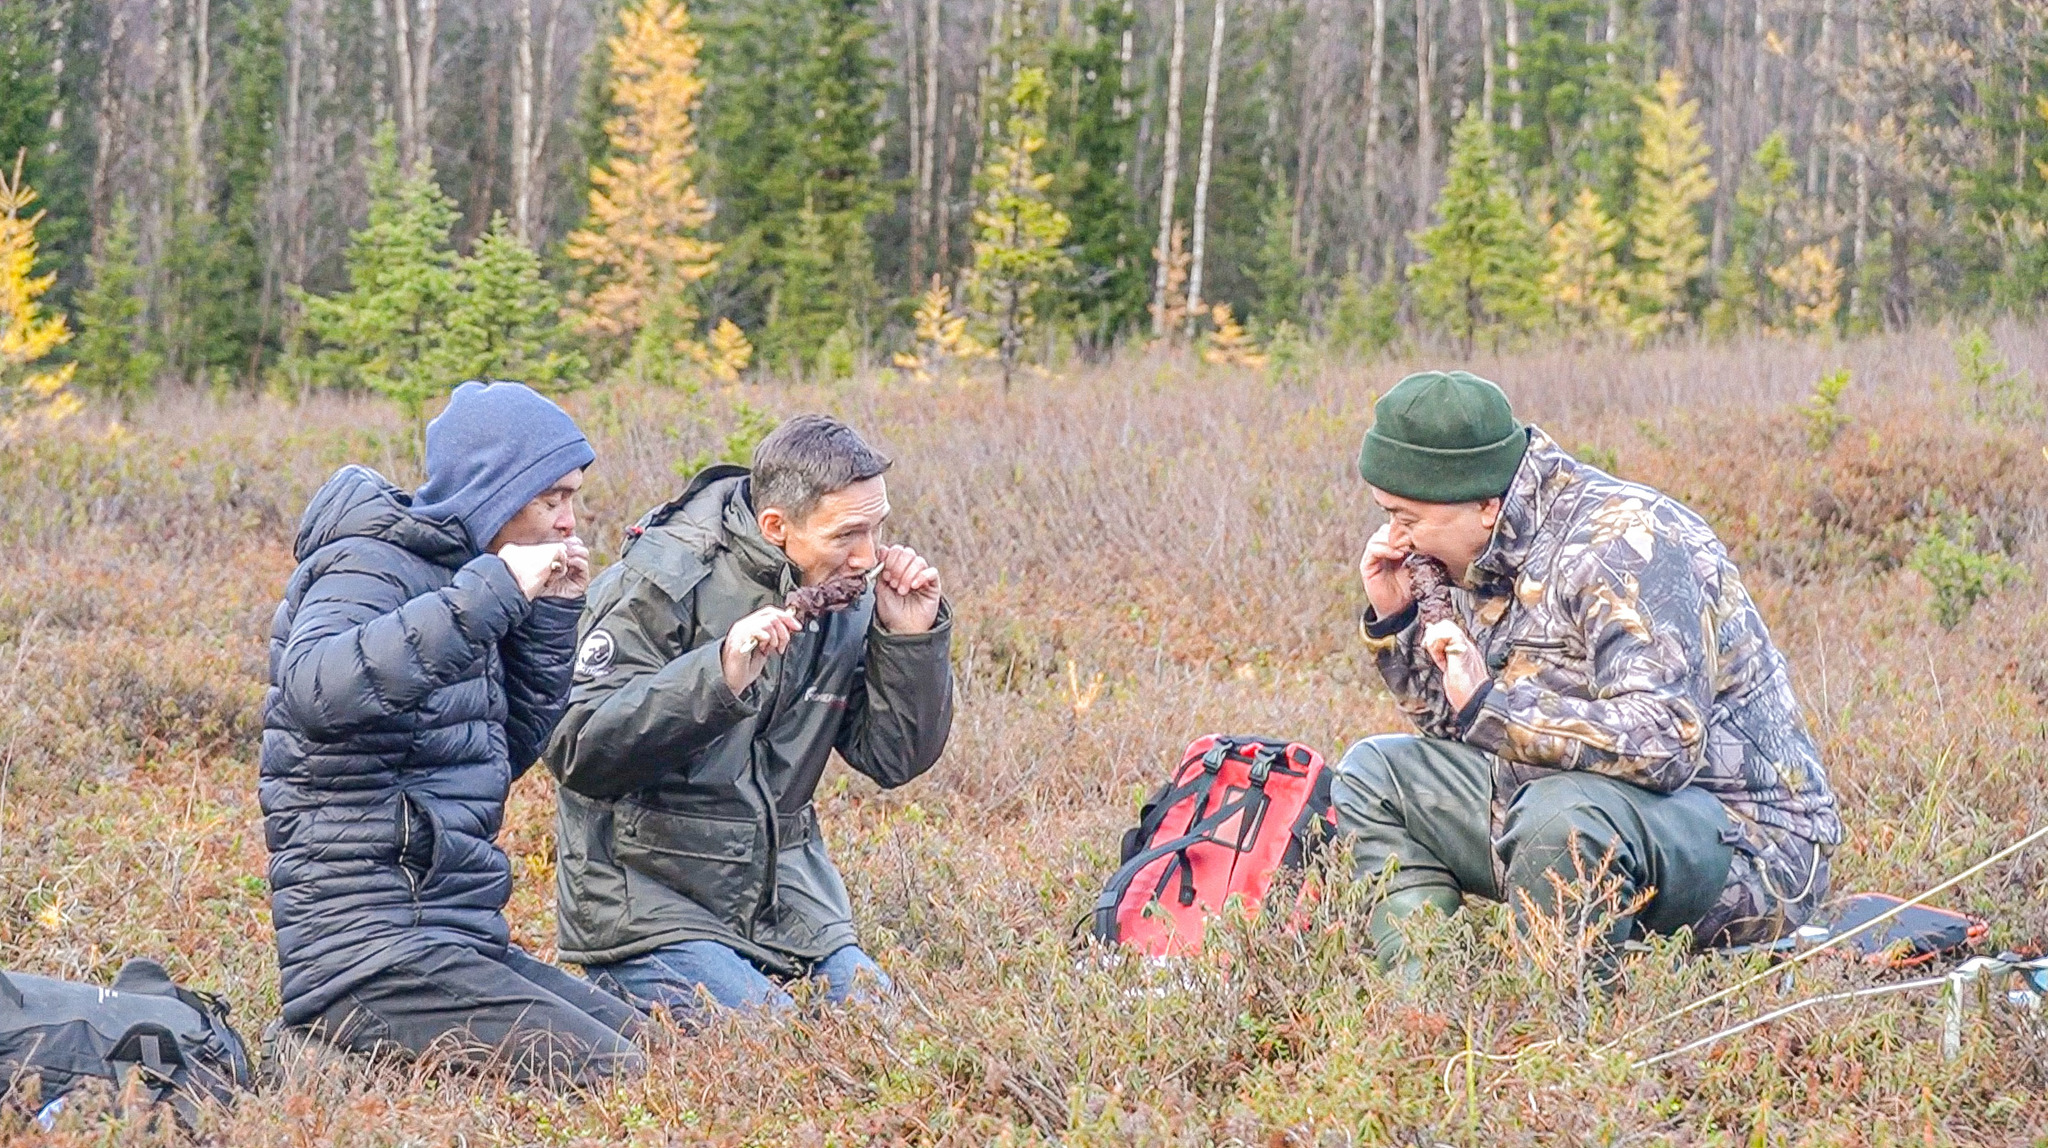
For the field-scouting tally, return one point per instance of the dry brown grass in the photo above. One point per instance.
(1190, 534)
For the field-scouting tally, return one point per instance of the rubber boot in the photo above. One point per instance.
(1390, 949)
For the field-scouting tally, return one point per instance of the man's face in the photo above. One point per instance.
(1453, 533)
(548, 518)
(841, 535)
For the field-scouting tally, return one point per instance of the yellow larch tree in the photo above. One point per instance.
(27, 335)
(640, 248)
(1584, 283)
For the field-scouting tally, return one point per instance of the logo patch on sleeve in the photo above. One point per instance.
(594, 656)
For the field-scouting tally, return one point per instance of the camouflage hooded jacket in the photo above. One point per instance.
(1622, 642)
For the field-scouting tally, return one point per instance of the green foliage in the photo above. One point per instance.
(1599, 457)
(1361, 319)
(387, 331)
(1747, 299)
(1822, 410)
(1481, 277)
(1278, 273)
(1017, 249)
(839, 357)
(28, 89)
(1668, 252)
(1960, 574)
(791, 116)
(750, 425)
(112, 350)
(1995, 390)
(1090, 144)
(808, 308)
(1288, 353)
(506, 322)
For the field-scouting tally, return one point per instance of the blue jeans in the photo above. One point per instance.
(681, 977)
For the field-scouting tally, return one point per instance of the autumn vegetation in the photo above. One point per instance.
(1138, 553)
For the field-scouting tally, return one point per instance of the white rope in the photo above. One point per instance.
(1778, 969)
(1807, 954)
(1788, 1010)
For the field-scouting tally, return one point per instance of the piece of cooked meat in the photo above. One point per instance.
(809, 603)
(1432, 585)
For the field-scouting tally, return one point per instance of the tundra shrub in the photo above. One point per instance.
(1962, 575)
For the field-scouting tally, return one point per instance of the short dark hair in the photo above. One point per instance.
(807, 458)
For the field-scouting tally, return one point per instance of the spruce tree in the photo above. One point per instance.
(387, 332)
(1018, 231)
(1585, 284)
(1764, 198)
(1092, 138)
(1484, 256)
(1278, 273)
(112, 351)
(797, 90)
(506, 322)
(1667, 251)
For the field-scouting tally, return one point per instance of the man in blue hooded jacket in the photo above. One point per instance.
(419, 661)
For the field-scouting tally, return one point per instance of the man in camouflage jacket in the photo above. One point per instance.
(1603, 706)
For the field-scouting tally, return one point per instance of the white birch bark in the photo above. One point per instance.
(1170, 168)
(1425, 112)
(1514, 37)
(1204, 165)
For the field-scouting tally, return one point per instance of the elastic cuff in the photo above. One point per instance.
(1473, 705)
(1381, 628)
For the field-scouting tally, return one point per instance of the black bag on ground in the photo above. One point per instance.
(64, 1033)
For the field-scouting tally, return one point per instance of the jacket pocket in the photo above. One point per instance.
(710, 860)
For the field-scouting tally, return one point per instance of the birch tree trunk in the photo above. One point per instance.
(926, 159)
(1374, 73)
(1170, 165)
(106, 138)
(1486, 60)
(1724, 114)
(913, 113)
(414, 27)
(1861, 235)
(1425, 113)
(1202, 168)
(1681, 40)
(60, 16)
(1514, 36)
(943, 209)
(532, 98)
(1823, 128)
(194, 84)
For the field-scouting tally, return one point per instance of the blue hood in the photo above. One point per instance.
(496, 448)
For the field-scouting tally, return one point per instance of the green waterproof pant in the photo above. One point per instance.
(1426, 804)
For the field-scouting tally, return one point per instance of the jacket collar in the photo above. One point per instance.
(760, 560)
(1546, 470)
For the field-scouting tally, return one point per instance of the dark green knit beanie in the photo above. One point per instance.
(1443, 436)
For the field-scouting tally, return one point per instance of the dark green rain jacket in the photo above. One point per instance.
(685, 810)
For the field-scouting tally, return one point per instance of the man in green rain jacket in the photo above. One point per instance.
(703, 714)
(1603, 699)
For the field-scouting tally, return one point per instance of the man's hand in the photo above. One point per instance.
(572, 572)
(1387, 581)
(906, 592)
(535, 567)
(751, 642)
(1454, 654)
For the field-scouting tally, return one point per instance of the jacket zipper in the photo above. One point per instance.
(770, 897)
(412, 881)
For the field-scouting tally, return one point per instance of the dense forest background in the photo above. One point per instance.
(316, 192)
